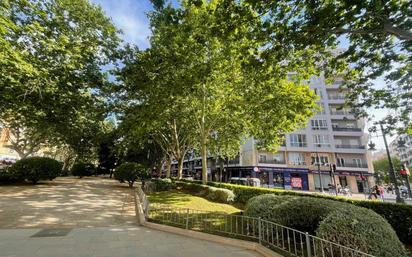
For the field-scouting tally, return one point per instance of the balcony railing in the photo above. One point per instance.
(297, 163)
(319, 128)
(346, 129)
(351, 146)
(341, 113)
(336, 97)
(353, 165)
(298, 144)
(274, 161)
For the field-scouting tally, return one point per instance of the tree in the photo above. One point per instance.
(210, 56)
(379, 40)
(131, 172)
(26, 141)
(52, 54)
(381, 168)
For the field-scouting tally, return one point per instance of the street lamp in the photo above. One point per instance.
(391, 169)
(404, 171)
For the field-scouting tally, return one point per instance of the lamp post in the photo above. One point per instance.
(404, 171)
(391, 169)
(318, 164)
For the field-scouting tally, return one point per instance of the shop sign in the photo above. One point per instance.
(296, 182)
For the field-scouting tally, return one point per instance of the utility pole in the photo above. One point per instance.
(391, 169)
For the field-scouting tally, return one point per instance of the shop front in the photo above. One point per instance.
(274, 177)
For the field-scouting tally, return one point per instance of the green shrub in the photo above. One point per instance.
(220, 195)
(398, 215)
(34, 169)
(81, 169)
(211, 193)
(130, 172)
(360, 229)
(7, 177)
(158, 185)
(302, 213)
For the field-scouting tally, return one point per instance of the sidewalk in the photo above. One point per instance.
(122, 241)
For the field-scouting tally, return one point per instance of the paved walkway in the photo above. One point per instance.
(94, 218)
(111, 242)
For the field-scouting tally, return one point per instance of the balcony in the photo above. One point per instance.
(298, 144)
(351, 146)
(353, 165)
(341, 113)
(347, 129)
(336, 97)
(297, 163)
(273, 161)
(319, 128)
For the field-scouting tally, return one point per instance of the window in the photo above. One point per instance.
(322, 109)
(319, 92)
(321, 140)
(262, 158)
(357, 162)
(323, 160)
(298, 140)
(341, 162)
(319, 124)
(297, 159)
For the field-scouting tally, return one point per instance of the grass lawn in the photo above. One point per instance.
(183, 200)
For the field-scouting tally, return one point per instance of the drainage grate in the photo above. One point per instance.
(52, 232)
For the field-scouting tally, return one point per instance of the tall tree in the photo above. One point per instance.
(209, 55)
(379, 38)
(52, 54)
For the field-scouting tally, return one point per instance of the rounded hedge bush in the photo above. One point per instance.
(264, 206)
(34, 169)
(361, 229)
(130, 172)
(81, 169)
(158, 185)
(220, 195)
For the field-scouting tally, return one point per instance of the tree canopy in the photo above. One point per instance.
(208, 69)
(379, 43)
(52, 58)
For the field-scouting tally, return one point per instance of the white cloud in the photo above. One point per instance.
(130, 17)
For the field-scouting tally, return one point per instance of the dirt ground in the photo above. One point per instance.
(67, 202)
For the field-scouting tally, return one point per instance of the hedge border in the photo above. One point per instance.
(398, 215)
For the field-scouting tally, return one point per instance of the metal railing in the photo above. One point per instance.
(285, 240)
(346, 129)
(351, 146)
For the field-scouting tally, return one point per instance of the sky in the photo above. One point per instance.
(130, 17)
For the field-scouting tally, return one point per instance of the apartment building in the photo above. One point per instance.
(332, 137)
(403, 152)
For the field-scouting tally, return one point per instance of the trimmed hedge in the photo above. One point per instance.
(214, 194)
(361, 229)
(299, 212)
(81, 169)
(339, 222)
(34, 169)
(7, 177)
(158, 185)
(399, 216)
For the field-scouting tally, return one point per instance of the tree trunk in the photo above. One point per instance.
(168, 166)
(204, 161)
(180, 168)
